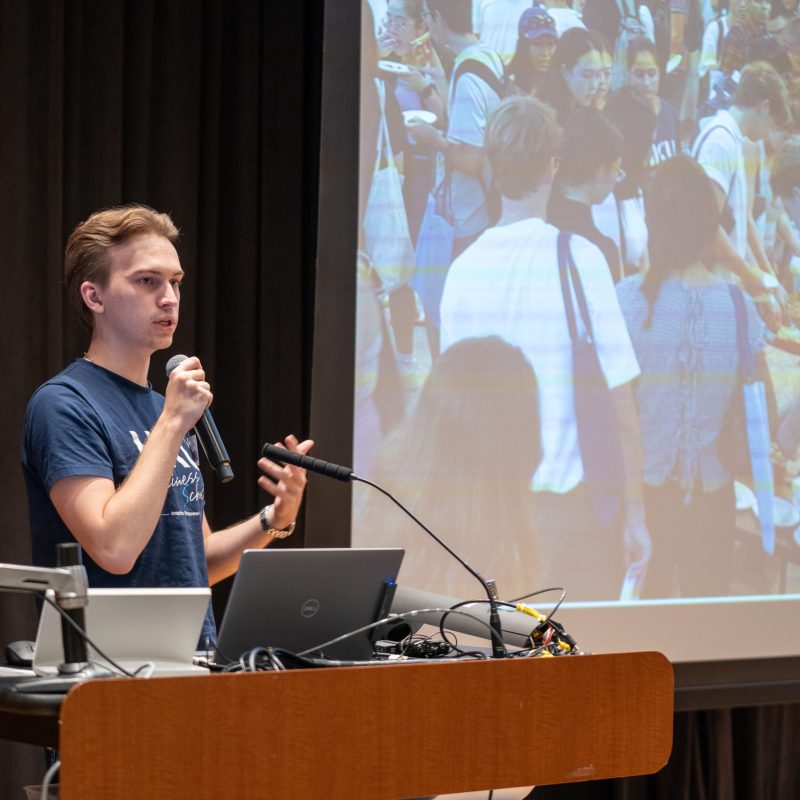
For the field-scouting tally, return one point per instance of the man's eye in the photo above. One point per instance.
(176, 284)
(145, 281)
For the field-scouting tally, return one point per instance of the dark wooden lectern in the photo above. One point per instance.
(378, 732)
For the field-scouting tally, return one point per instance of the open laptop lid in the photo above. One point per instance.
(298, 599)
(133, 626)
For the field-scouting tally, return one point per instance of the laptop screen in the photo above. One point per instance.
(299, 599)
(132, 626)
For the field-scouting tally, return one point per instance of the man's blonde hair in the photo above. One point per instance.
(86, 257)
(759, 81)
(522, 138)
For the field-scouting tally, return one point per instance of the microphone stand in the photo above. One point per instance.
(69, 582)
(346, 475)
(489, 586)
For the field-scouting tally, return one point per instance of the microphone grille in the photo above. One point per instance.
(174, 361)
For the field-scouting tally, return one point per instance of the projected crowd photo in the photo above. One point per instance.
(578, 311)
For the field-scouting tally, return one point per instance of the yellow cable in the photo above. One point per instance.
(532, 612)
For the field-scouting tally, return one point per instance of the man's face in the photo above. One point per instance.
(605, 179)
(137, 310)
(763, 121)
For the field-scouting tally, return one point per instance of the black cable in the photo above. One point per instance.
(460, 651)
(557, 632)
(538, 592)
(82, 633)
(474, 654)
(496, 637)
(393, 618)
(226, 658)
(458, 605)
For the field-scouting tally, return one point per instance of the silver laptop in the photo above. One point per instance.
(299, 599)
(132, 626)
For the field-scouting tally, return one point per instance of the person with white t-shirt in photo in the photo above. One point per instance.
(760, 104)
(508, 284)
(497, 25)
(714, 37)
(565, 16)
(476, 85)
(621, 216)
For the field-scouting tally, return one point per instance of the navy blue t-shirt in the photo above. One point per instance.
(87, 421)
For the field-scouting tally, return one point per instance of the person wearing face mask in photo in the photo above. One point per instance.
(534, 53)
(644, 74)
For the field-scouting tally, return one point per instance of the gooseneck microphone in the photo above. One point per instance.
(345, 474)
(317, 465)
(208, 435)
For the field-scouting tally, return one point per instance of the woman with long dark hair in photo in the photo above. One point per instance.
(462, 462)
(682, 320)
(576, 74)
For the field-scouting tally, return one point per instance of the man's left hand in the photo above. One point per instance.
(285, 483)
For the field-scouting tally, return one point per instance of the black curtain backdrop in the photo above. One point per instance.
(207, 110)
(210, 109)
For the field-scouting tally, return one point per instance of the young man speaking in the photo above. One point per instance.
(113, 464)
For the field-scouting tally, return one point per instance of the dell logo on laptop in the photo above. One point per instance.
(310, 607)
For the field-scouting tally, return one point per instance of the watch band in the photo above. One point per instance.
(276, 533)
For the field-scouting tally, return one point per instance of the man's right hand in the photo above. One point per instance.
(188, 394)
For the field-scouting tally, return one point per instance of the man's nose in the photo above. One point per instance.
(170, 296)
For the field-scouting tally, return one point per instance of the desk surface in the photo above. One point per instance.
(29, 718)
(415, 729)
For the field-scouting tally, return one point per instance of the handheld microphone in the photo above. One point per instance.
(208, 435)
(345, 474)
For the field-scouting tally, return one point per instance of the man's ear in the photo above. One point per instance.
(90, 292)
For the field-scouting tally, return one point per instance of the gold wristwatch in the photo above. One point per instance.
(276, 533)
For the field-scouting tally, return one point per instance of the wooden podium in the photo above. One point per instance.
(373, 732)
